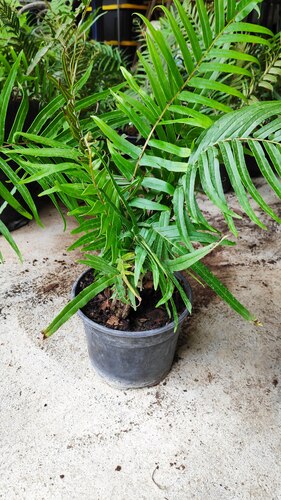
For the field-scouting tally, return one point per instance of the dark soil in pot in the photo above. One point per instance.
(146, 317)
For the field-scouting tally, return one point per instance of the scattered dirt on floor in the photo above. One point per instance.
(39, 289)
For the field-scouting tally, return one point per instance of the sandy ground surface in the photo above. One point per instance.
(211, 430)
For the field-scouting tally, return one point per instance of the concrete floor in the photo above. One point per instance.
(210, 431)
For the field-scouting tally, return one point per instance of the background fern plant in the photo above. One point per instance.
(267, 80)
(32, 56)
(138, 204)
(43, 43)
(261, 62)
(52, 126)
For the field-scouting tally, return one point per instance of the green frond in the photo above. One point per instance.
(227, 139)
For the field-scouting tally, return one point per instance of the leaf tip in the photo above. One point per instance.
(45, 334)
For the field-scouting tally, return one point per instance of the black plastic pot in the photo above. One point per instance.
(131, 360)
(116, 26)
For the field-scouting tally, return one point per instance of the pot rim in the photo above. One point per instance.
(138, 333)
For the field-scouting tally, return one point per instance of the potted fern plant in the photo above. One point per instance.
(138, 215)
